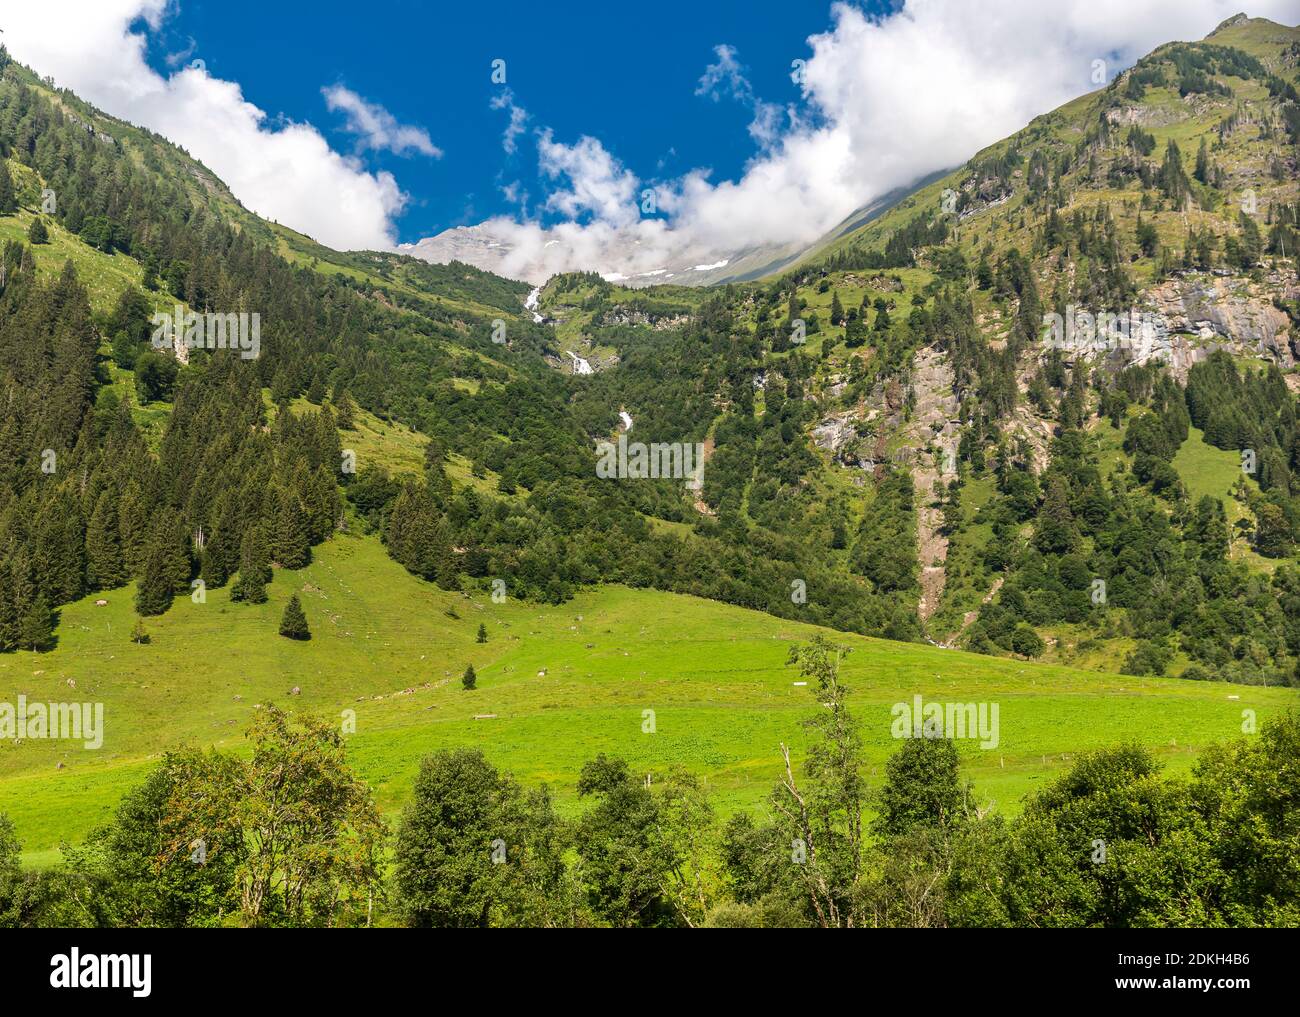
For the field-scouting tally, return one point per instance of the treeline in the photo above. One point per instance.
(288, 836)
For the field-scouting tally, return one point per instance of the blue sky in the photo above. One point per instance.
(371, 126)
(626, 74)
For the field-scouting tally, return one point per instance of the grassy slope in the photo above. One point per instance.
(714, 675)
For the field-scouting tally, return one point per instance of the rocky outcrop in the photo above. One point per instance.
(1203, 312)
(660, 323)
(1184, 319)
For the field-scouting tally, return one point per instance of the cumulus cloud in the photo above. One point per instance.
(286, 172)
(597, 183)
(375, 127)
(884, 101)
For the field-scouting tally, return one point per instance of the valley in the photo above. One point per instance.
(376, 596)
(556, 687)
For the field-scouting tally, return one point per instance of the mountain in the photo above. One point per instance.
(534, 253)
(1167, 199)
(408, 509)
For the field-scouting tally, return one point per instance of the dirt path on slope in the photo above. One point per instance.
(707, 450)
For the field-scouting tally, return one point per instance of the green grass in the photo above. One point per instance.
(105, 276)
(715, 677)
(1206, 470)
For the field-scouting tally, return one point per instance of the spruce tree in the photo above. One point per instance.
(37, 233)
(293, 623)
(447, 574)
(1202, 171)
(254, 572)
(176, 541)
(283, 389)
(132, 527)
(154, 594)
(37, 628)
(8, 203)
(345, 411)
(292, 549)
(482, 633)
(104, 566)
(469, 679)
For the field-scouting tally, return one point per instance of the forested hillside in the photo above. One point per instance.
(1125, 498)
(139, 443)
(452, 518)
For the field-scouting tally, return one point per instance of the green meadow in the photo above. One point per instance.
(556, 686)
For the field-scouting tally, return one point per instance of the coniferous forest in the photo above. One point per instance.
(374, 642)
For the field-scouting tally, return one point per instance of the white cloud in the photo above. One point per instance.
(725, 77)
(518, 117)
(598, 183)
(885, 102)
(284, 172)
(376, 127)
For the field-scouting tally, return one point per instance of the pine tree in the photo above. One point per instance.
(291, 548)
(37, 628)
(316, 390)
(104, 566)
(469, 679)
(139, 634)
(837, 309)
(254, 572)
(345, 410)
(293, 623)
(482, 633)
(283, 388)
(37, 233)
(1202, 171)
(154, 594)
(8, 203)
